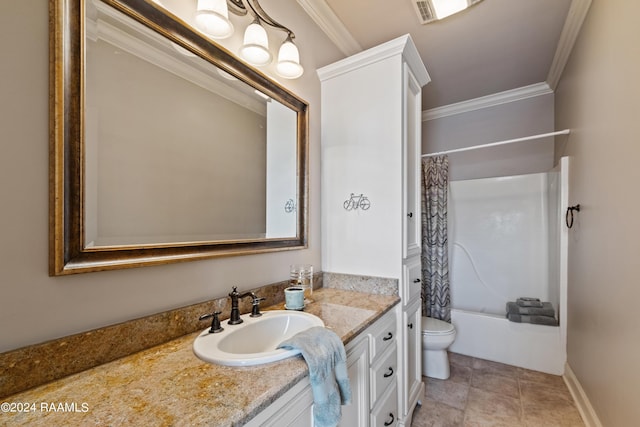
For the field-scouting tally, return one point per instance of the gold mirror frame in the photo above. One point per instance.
(67, 252)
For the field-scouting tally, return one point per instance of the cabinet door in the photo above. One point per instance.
(412, 357)
(357, 414)
(293, 409)
(411, 289)
(412, 234)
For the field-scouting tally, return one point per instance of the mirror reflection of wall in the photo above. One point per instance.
(281, 160)
(167, 161)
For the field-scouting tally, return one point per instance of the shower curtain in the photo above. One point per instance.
(436, 298)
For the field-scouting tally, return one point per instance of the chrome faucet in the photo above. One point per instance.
(234, 317)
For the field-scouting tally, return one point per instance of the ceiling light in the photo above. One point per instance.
(434, 10)
(444, 8)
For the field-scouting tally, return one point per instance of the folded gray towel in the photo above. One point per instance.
(528, 302)
(324, 352)
(537, 320)
(545, 310)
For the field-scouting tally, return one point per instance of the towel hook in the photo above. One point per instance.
(568, 218)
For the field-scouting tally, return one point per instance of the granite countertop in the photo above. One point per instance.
(169, 385)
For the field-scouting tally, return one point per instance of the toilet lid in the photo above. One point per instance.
(436, 327)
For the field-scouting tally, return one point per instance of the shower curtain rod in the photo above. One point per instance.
(494, 144)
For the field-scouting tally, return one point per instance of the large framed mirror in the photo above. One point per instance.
(165, 147)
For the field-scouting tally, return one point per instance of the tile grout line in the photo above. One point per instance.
(520, 400)
(466, 403)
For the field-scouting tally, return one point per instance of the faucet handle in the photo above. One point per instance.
(215, 322)
(255, 302)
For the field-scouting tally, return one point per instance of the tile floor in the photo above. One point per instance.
(484, 393)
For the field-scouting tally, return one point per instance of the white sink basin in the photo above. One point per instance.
(254, 341)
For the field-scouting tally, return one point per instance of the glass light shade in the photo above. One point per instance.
(212, 18)
(289, 61)
(255, 49)
(444, 8)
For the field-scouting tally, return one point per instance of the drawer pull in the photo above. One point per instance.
(388, 374)
(388, 337)
(388, 423)
(410, 325)
(416, 280)
(410, 214)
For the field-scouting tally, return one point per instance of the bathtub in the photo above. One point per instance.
(493, 337)
(491, 218)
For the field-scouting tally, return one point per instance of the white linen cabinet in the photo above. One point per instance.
(371, 139)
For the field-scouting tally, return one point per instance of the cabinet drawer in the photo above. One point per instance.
(385, 414)
(384, 374)
(412, 280)
(384, 335)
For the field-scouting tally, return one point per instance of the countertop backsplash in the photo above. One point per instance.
(168, 385)
(38, 364)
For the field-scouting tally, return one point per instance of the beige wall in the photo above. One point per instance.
(599, 99)
(35, 307)
(516, 119)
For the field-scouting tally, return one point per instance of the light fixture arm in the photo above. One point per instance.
(259, 13)
(237, 7)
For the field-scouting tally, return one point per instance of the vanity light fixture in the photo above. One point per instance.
(289, 60)
(212, 18)
(255, 49)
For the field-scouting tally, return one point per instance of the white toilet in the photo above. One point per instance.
(437, 336)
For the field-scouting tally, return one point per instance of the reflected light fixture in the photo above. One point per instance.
(434, 10)
(212, 18)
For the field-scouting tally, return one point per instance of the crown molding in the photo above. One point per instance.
(152, 48)
(402, 45)
(331, 25)
(575, 18)
(537, 89)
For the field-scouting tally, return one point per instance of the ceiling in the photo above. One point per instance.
(494, 46)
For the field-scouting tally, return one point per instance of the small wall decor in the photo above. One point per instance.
(357, 202)
(290, 206)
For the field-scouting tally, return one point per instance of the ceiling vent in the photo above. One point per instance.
(424, 10)
(428, 10)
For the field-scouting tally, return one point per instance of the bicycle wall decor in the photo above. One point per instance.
(290, 206)
(357, 202)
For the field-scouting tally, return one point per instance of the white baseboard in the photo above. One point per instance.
(587, 412)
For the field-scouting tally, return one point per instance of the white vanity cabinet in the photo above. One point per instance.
(372, 367)
(384, 371)
(357, 413)
(292, 409)
(371, 222)
(411, 359)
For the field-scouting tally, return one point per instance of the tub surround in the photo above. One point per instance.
(31, 366)
(167, 384)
